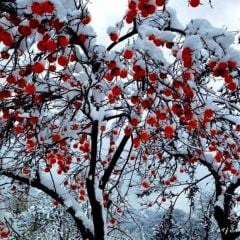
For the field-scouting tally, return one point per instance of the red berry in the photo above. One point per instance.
(37, 8)
(30, 89)
(160, 2)
(55, 203)
(123, 73)
(145, 183)
(116, 91)
(168, 131)
(144, 136)
(63, 61)
(33, 23)
(194, 3)
(18, 129)
(51, 45)
(5, 234)
(47, 7)
(82, 38)
(86, 20)
(25, 30)
(63, 41)
(56, 137)
(114, 36)
(11, 79)
(128, 54)
(38, 67)
(6, 38)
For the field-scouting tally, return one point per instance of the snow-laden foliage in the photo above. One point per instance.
(129, 124)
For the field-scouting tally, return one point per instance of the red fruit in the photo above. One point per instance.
(41, 45)
(151, 120)
(116, 91)
(25, 30)
(145, 183)
(25, 171)
(6, 38)
(157, 41)
(52, 68)
(218, 156)
(132, 5)
(187, 76)
(33, 23)
(160, 2)
(4, 55)
(169, 131)
(164, 199)
(30, 89)
(192, 124)
(63, 41)
(47, 7)
(5, 94)
(232, 64)
(55, 203)
(130, 16)
(56, 137)
(169, 45)
(82, 38)
(108, 76)
(194, 3)
(234, 171)
(167, 183)
(63, 61)
(114, 36)
(123, 73)
(232, 86)
(144, 136)
(18, 129)
(136, 142)
(46, 169)
(37, 8)
(167, 92)
(128, 54)
(51, 45)
(127, 131)
(11, 79)
(113, 221)
(86, 20)
(38, 67)
(81, 197)
(134, 122)
(208, 113)
(82, 192)
(5, 234)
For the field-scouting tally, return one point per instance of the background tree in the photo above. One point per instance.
(98, 128)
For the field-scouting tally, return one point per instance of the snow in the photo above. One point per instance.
(220, 201)
(51, 182)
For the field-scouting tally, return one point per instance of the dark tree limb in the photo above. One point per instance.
(113, 162)
(95, 203)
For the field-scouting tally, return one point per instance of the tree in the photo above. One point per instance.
(99, 127)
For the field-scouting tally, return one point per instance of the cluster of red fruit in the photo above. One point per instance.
(61, 158)
(187, 57)
(114, 71)
(223, 69)
(145, 7)
(42, 8)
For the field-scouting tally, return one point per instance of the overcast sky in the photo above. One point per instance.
(224, 13)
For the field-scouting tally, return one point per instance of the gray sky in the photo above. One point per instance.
(225, 13)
